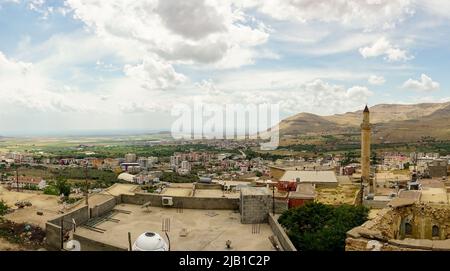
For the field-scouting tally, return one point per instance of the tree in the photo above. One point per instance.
(406, 165)
(374, 160)
(319, 227)
(62, 186)
(3, 208)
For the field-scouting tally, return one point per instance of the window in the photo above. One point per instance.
(435, 231)
(408, 229)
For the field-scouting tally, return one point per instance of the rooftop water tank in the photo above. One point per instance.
(205, 180)
(150, 241)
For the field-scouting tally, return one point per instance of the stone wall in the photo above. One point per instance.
(404, 228)
(376, 204)
(279, 232)
(185, 202)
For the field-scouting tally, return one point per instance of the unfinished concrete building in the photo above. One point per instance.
(192, 222)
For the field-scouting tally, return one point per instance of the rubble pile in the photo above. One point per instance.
(22, 233)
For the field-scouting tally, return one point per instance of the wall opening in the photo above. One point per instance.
(408, 229)
(435, 231)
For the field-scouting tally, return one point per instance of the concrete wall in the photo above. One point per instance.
(53, 227)
(53, 235)
(185, 202)
(208, 186)
(281, 205)
(103, 207)
(279, 232)
(91, 245)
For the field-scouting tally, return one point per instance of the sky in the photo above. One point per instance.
(92, 65)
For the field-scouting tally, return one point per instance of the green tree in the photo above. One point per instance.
(3, 208)
(374, 160)
(320, 227)
(62, 186)
(349, 157)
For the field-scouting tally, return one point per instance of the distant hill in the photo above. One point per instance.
(391, 122)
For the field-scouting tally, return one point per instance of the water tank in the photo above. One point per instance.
(150, 241)
(205, 180)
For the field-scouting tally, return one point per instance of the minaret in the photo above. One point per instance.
(365, 147)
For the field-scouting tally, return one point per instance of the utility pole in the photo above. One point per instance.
(86, 185)
(362, 192)
(130, 248)
(17, 179)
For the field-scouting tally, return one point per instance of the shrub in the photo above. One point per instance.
(3, 208)
(51, 190)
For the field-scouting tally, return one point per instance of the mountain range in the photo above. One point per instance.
(391, 123)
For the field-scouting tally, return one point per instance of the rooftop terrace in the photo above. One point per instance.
(206, 229)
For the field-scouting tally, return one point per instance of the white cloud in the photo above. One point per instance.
(366, 14)
(376, 80)
(435, 7)
(315, 96)
(155, 74)
(194, 19)
(23, 85)
(204, 31)
(424, 84)
(383, 47)
(151, 42)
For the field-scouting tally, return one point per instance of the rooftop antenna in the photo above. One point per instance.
(166, 228)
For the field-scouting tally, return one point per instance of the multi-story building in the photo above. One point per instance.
(130, 158)
(185, 168)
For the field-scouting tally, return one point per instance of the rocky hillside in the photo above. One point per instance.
(392, 122)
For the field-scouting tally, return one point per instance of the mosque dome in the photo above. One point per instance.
(150, 241)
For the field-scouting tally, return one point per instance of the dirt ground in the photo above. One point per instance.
(7, 246)
(47, 204)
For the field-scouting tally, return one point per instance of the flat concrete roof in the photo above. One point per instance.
(215, 193)
(177, 192)
(121, 189)
(207, 230)
(309, 176)
(434, 195)
(254, 191)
